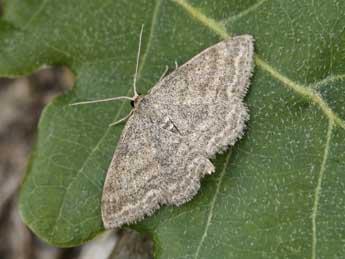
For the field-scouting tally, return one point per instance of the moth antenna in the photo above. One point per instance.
(122, 119)
(134, 83)
(103, 100)
(137, 64)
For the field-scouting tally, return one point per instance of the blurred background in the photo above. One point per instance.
(21, 103)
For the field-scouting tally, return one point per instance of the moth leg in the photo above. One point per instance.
(164, 73)
(167, 70)
(122, 119)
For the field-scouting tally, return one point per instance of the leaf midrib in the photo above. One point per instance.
(308, 93)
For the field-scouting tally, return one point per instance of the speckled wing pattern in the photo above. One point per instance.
(187, 117)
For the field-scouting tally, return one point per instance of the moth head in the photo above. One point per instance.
(136, 100)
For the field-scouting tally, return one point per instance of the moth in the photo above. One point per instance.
(190, 115)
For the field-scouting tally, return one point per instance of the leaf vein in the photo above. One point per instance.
(213, 202)
(244, 12)
(327, 80)
(299, 89)
(318, 189)
(39, 10)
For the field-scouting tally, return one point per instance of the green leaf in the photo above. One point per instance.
(279, 193)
